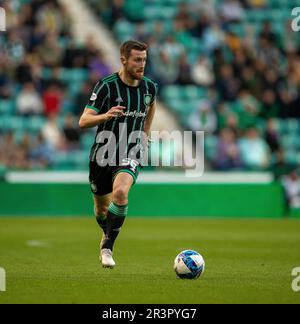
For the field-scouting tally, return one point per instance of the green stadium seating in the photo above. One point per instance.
(124, 30)
(73, 75)
(178, 106)
(211, 143)
(7, 107)
(46, 73)
(290, 142)
(135, 10)
(171, 92)
(291, 156)
(34, 124)
(68, 105)
(292, 126)
(11, 123)
(87, 140)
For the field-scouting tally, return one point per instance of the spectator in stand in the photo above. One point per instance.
(54, 79)
(98, 66)
(205, 7)
(270, 106)
(53, 100)
(117, 11)
(223, 111)
(23, 70)
(82, 98)
(281, 167)
(231, 11)
(165, 70)
(247, 109)
(21, 156)
(5, 82)
(268, 32)
(213, 38)
(185, 71)
(12, 154)
(204, 118)
(291, 185)
(50, 51)
(271, 80)
(234, 42)
(50, 16)
(198, 25)
(16, 47)
(252, 81)
(290, 41)
(289, 93)
(233, 124)
(272, 136)
(183, 14)
(7, 149)
(228, 155)
(71, 133)
(227, 84)
(41, 153)
(202, 72)
(52, 134)
(255, 3)
(29, 102)
(254, 150)
(267, 53)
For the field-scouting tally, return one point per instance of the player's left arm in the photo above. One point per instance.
(149, 118)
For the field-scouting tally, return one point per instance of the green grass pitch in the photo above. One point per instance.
(55, 260)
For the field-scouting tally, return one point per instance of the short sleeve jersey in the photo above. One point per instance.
(121, 133)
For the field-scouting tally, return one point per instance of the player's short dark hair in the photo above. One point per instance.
(130, 45)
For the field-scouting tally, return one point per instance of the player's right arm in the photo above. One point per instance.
(93, 114)
(90, 118)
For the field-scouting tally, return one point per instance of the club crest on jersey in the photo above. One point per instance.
(93, 97)
(147, 99)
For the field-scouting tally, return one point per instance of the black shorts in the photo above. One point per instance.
(102, 178)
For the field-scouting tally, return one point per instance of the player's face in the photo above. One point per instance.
(135, 64)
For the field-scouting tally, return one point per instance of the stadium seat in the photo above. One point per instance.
(34, 124)
(292, 157)
(87, 140)
(290, 142)
(135, 10)
(171, 93)
(211, 143)
(70, 160)
(190, 92)
(123, 29)
(68, 106)
(178, 106)
(11, 123)
(292, 126)
(73, 75)
(7, 107)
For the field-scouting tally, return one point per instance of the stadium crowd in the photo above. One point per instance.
(252, 81)
(36, 53)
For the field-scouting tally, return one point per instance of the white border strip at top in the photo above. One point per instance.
(144, 178)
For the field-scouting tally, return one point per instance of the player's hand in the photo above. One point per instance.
(115, 112)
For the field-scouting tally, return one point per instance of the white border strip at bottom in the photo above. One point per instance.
(144, 177)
